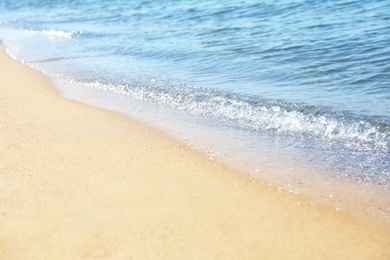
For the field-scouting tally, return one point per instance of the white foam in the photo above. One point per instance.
(51, 33)
(261, 116)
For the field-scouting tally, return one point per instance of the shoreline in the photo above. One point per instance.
(81, 182)
(267, 165)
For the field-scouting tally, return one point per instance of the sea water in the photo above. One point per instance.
(305, 81)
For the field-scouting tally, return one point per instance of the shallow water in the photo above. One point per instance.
(308, 80)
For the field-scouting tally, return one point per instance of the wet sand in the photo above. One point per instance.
(78, 182)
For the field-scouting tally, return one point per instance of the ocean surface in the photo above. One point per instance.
(308, 79)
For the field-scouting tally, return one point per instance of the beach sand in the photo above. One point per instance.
(78, 182)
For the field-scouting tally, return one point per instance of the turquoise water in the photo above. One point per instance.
(313, 75)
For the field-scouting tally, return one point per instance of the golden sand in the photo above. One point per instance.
(78, 182)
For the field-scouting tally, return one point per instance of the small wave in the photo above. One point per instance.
(51, 33)
(260, 114)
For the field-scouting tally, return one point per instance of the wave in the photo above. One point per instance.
(259, 114)
(51, 33)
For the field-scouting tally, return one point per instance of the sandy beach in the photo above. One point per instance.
(78, 182)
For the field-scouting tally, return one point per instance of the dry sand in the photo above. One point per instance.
(78, 182)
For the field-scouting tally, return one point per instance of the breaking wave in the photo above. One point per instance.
(51, 33)
(259, 114)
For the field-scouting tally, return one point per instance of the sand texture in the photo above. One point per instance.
(78, 182)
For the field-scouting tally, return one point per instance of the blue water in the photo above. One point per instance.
(312, 73)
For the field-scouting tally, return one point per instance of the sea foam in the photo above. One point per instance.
(260, 114)
(51, 33)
